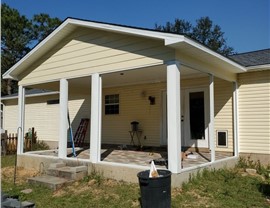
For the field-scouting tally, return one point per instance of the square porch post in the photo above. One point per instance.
(174, 116)
(212, 118)
(235, 119)
(20, 130)
(63, 126)
(95, 136)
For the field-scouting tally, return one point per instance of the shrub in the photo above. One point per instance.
(249, 163)
(40, 145)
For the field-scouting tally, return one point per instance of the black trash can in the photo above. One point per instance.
(155, 192)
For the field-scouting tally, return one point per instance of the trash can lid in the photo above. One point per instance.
(161, 172)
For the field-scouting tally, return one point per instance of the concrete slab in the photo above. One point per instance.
(49, 181)
(125, 172)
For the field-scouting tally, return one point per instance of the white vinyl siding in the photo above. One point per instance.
(79, 107)
(89, 51)
(224, 111)
(45, 118)
(254, 112)
(135, 106)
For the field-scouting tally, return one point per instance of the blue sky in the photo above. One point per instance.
(246, 23)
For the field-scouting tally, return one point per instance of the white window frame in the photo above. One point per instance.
(110, 104)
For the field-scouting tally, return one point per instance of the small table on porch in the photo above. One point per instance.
(135, 134)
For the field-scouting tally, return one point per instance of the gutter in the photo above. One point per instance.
(258, 67)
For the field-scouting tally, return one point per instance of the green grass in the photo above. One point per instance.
(223, 188)
(7, 161)
(219, 188)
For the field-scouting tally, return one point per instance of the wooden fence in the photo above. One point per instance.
(9, 142)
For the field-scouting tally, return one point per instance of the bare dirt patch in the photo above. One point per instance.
(22, 174)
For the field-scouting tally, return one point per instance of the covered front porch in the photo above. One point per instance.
(165, 123)
(180, 92)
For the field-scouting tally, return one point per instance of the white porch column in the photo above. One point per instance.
(235, 119)
(20, 130)
(63, 126)
(95, 136)
(174, 116)
(212, 118)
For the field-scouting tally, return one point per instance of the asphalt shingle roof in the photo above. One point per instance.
(253, 58)
(29, 92)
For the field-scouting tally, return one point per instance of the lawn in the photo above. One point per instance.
(219, 188)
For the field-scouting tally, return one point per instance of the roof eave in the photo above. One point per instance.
(10, 74)
(258, 67)
(239, 68)
(7, 75)
(31, 95)
(171, 40)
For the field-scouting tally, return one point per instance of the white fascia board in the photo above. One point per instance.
(32, 95)
(174, 40)
(207, 50)
(8, 74)
(124, 29)
(258, 67)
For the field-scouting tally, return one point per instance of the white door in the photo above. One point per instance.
(196, 117)
(164, 131)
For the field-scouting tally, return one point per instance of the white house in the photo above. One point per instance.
(181, 92)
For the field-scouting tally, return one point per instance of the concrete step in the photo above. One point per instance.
(58, 175)
(51, 182)
(57, 165)
(67, 172)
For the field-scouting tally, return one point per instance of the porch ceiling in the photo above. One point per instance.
(154, 74)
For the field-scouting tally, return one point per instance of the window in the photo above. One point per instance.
(52, 102)
(222, 138)
(111, 104)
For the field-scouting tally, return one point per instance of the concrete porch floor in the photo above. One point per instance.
(140, 157)
(124, 165)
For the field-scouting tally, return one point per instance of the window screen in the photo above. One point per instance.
(111, 104)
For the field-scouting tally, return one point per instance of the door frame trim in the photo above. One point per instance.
(187, 140)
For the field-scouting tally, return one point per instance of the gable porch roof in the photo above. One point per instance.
(179, 42)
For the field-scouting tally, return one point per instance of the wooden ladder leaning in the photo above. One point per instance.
(80, 133)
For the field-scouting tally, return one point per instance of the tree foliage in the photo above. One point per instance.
(43, 25)
(205, 32)
(15, 36)
(18, 35)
